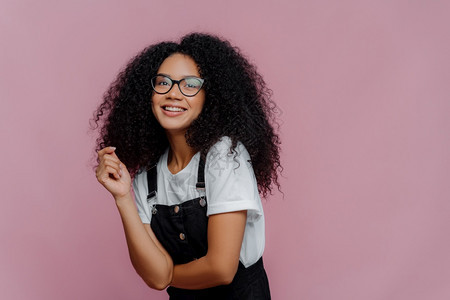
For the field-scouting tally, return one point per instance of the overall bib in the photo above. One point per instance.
(182, 230)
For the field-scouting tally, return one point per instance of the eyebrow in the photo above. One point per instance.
(186, 76)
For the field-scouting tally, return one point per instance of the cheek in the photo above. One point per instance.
(200, 104)
(153, 104)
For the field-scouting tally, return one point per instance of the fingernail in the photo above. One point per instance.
(121, 166)
(114, 148)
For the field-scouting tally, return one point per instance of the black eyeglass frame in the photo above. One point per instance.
(173, 82)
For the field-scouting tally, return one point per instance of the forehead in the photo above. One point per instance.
(179, 65)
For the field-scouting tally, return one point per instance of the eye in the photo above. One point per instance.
(192, 83)
(162, 81)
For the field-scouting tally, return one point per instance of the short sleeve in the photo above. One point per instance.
(140, 196)
(230, 180)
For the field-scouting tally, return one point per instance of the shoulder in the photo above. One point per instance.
(223, 151)
(230, 180)
(223, 160)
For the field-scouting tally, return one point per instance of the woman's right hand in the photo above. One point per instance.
(112, 173)
(149, 258)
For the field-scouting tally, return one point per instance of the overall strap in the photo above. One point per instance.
(201, 174)
(152, 182)
(152, 178)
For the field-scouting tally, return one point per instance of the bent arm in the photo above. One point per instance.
(149, 258)
(219, 265)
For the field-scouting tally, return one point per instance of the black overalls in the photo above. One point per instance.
(182, 230)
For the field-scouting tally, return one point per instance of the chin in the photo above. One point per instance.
(175, 129)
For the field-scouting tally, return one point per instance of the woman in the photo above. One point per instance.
(192, 123)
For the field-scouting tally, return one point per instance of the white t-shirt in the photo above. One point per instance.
(230, 186)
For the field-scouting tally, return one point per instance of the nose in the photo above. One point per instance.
(175, 92)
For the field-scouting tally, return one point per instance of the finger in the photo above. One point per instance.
(104, 155)
(108, 173)
(114, 164)
(113, 172)
(108, 150)
(121, 164)
(114, 155)
(108, 161)
(111, 158)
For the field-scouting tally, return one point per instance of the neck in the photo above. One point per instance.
(180, 153)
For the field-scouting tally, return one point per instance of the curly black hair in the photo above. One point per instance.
(238, 105)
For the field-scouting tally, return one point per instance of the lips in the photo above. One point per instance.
(174, 108)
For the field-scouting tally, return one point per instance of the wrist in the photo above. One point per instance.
(120, 199)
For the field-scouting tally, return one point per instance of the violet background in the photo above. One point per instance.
(363, 87)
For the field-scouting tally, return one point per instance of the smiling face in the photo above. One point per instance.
(175, 111)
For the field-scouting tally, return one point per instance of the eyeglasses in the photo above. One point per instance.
(189, 86)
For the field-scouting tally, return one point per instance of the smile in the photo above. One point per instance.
(173, 108)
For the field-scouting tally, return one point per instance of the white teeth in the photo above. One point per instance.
(171, 108)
